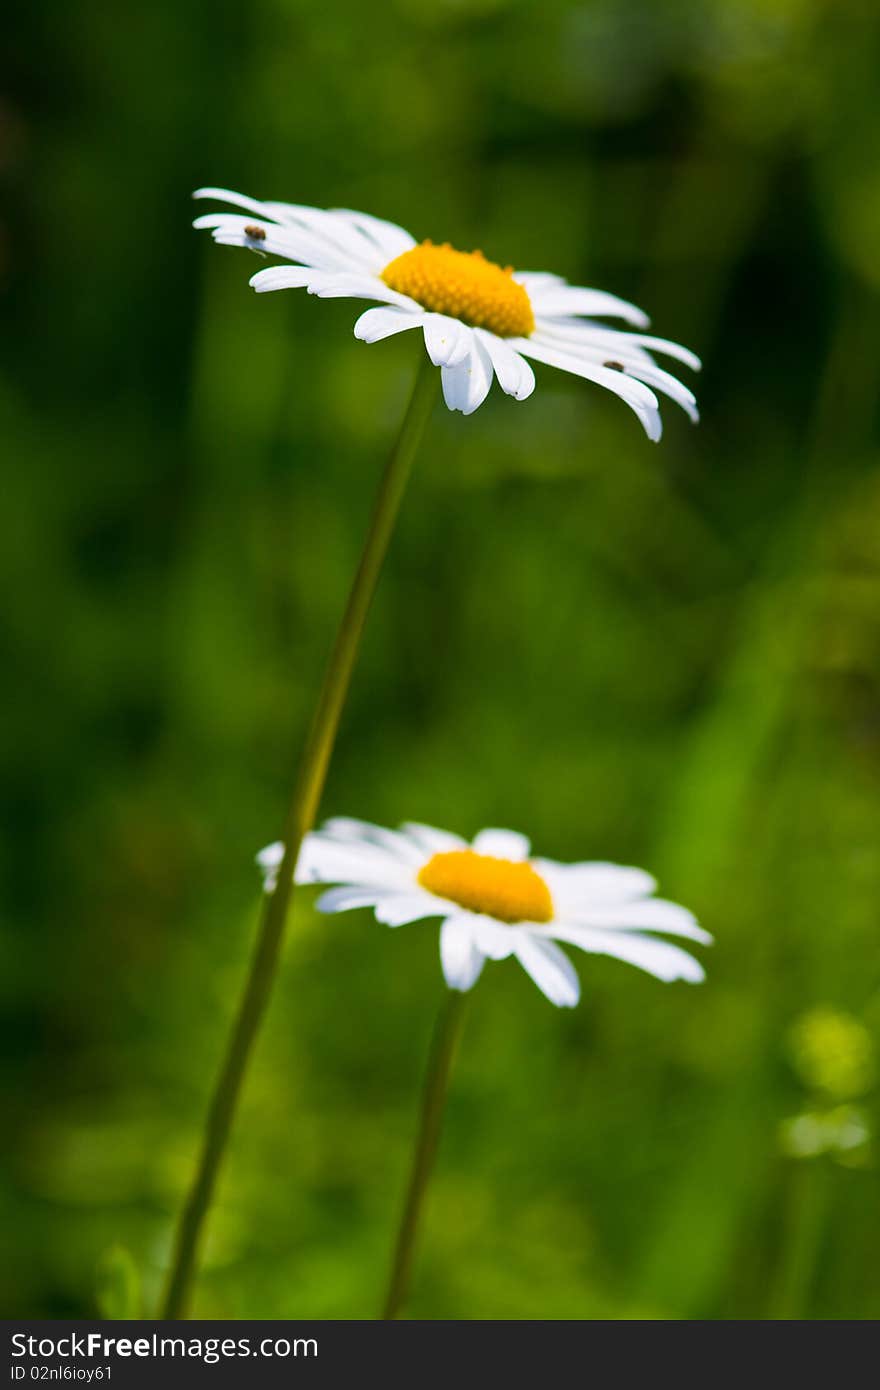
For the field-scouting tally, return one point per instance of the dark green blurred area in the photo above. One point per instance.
(663, 655)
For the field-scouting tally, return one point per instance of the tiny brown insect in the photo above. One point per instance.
(614, 366)
(255, 233)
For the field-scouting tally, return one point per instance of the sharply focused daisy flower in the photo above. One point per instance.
(496, 900)
(478, 318)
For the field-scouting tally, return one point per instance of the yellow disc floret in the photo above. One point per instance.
(464, 285)
(506, 889)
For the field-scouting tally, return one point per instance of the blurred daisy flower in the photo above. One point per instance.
(479, 319)
(496, 901)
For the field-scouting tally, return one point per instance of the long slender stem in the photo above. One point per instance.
(808, 1200)
(300, 819)
(443, 1049)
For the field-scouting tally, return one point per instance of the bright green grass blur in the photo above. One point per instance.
(662, 655)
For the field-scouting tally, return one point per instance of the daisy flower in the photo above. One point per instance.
(496, 900)
(479, 319)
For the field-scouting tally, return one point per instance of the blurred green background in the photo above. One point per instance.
(663, 655)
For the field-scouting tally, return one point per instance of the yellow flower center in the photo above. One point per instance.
(464, 285)
(510, 890)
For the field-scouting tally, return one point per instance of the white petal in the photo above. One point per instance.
(397, 911)
(354, 828)
(659, 958)
(236, 200)
(228, 221)
(553, 299)
(364, 832)
(495, 940)
(329, 285)
(448, 340)
(593, 885)
(633, 392)
(390, 239)
(375, 324)
(370, 241)
(669, 385)
(273, 244)
(591, 345)
(651, 914)
(676, 350)
(536, 280)
(455, 382)
(432, 841)
(282, 277)
(323, 860)
(291, 214)
(550, 969)
(459, 956)
(346, 899)
(502, 844)
(293, 243)
(636, 395)
(342, 286)
(515, 376)
(335, 229)
(466, 385)
(269, 860)
(329, 233)
(613, 340)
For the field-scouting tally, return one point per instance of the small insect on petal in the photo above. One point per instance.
(614, 366)
(255, 233)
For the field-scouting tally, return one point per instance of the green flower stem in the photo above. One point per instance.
(300, 819)
(444, 1047)
(808, 1202)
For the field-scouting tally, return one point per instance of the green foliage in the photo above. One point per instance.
(118, 1292)
(667, 656)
